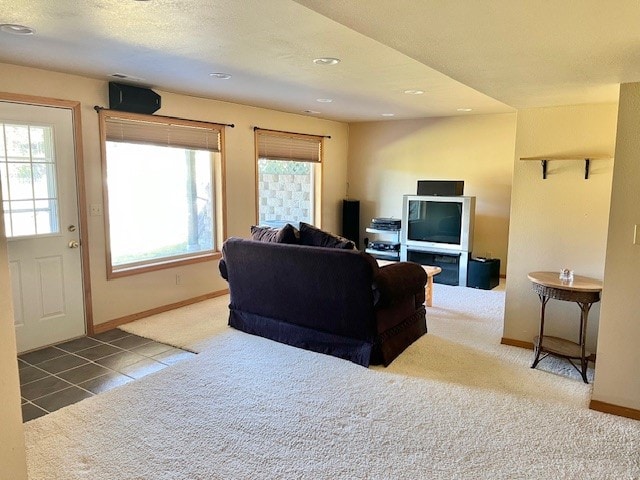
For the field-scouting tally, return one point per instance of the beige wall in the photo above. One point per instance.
(617, 380)
(12, 454)
(560, 222)
(386, 159)
(124, 296)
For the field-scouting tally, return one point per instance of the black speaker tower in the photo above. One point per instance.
(127, 98)
(351, 221)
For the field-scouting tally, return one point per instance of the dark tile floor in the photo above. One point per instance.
(62, 374)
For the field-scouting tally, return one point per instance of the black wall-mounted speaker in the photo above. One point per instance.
(444, 188)
(127, 98)
(351, 221)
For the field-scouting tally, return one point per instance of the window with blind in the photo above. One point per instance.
(289, 175)
(163, 191)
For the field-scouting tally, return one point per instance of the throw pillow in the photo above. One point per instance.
(289, 234)
(286, 234)
(312, 236)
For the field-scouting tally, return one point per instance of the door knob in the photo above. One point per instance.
(74, 244)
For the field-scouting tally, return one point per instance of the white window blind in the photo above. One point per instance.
(274, 145)
(165, 131)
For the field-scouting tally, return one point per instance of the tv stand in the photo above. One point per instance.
(453, 263)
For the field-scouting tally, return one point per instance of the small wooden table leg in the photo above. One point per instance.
(429, 291)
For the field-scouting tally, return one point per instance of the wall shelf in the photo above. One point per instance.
(544, 160)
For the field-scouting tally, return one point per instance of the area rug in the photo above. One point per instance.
(455, 405)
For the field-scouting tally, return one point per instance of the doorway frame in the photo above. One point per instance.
(75, 108)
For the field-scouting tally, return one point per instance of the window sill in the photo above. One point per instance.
(127, 271)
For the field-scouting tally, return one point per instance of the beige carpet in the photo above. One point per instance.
(188, 327)
(455, 405)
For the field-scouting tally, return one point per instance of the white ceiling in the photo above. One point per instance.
(491, 56)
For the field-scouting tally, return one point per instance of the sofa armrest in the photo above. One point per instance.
(222, 266)
(397, 281)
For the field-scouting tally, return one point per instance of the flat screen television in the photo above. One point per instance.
(438, 223)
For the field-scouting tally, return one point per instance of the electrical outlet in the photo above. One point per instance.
(636, 234)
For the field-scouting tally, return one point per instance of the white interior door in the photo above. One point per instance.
(39, 199)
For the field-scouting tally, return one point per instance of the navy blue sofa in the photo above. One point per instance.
(328, 300)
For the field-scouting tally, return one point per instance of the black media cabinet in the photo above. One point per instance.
(453, 264)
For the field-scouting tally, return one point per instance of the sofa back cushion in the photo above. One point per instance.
(322, 288)
(315, 237)
(287, 234)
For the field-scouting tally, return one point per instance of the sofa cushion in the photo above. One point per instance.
(287, 234)
(314, 237)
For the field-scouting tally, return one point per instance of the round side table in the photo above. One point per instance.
(585, 292)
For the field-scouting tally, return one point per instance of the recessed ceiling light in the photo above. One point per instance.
(221, 76)
(313, 112)
(387, 114)
(465, 109)
(16, 29)
(414, 92)
(326, 61)
(324, 100)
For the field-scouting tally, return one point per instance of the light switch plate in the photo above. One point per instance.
(95, 210)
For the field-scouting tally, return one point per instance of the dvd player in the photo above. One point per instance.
(384, 245)
(382, 223)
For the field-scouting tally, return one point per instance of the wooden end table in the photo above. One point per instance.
(428, 289)
(585, 292)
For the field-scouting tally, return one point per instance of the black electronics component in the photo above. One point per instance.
(384, 245)
(382, 223)
(127, 98)
(443, 188)
(483, 273)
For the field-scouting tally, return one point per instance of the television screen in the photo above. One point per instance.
(438, 222)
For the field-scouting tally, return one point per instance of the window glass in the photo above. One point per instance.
(160, 202)
(286, 192)
(28, 180)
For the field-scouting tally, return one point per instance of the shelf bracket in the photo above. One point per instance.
(544, 169)
(587, 161)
